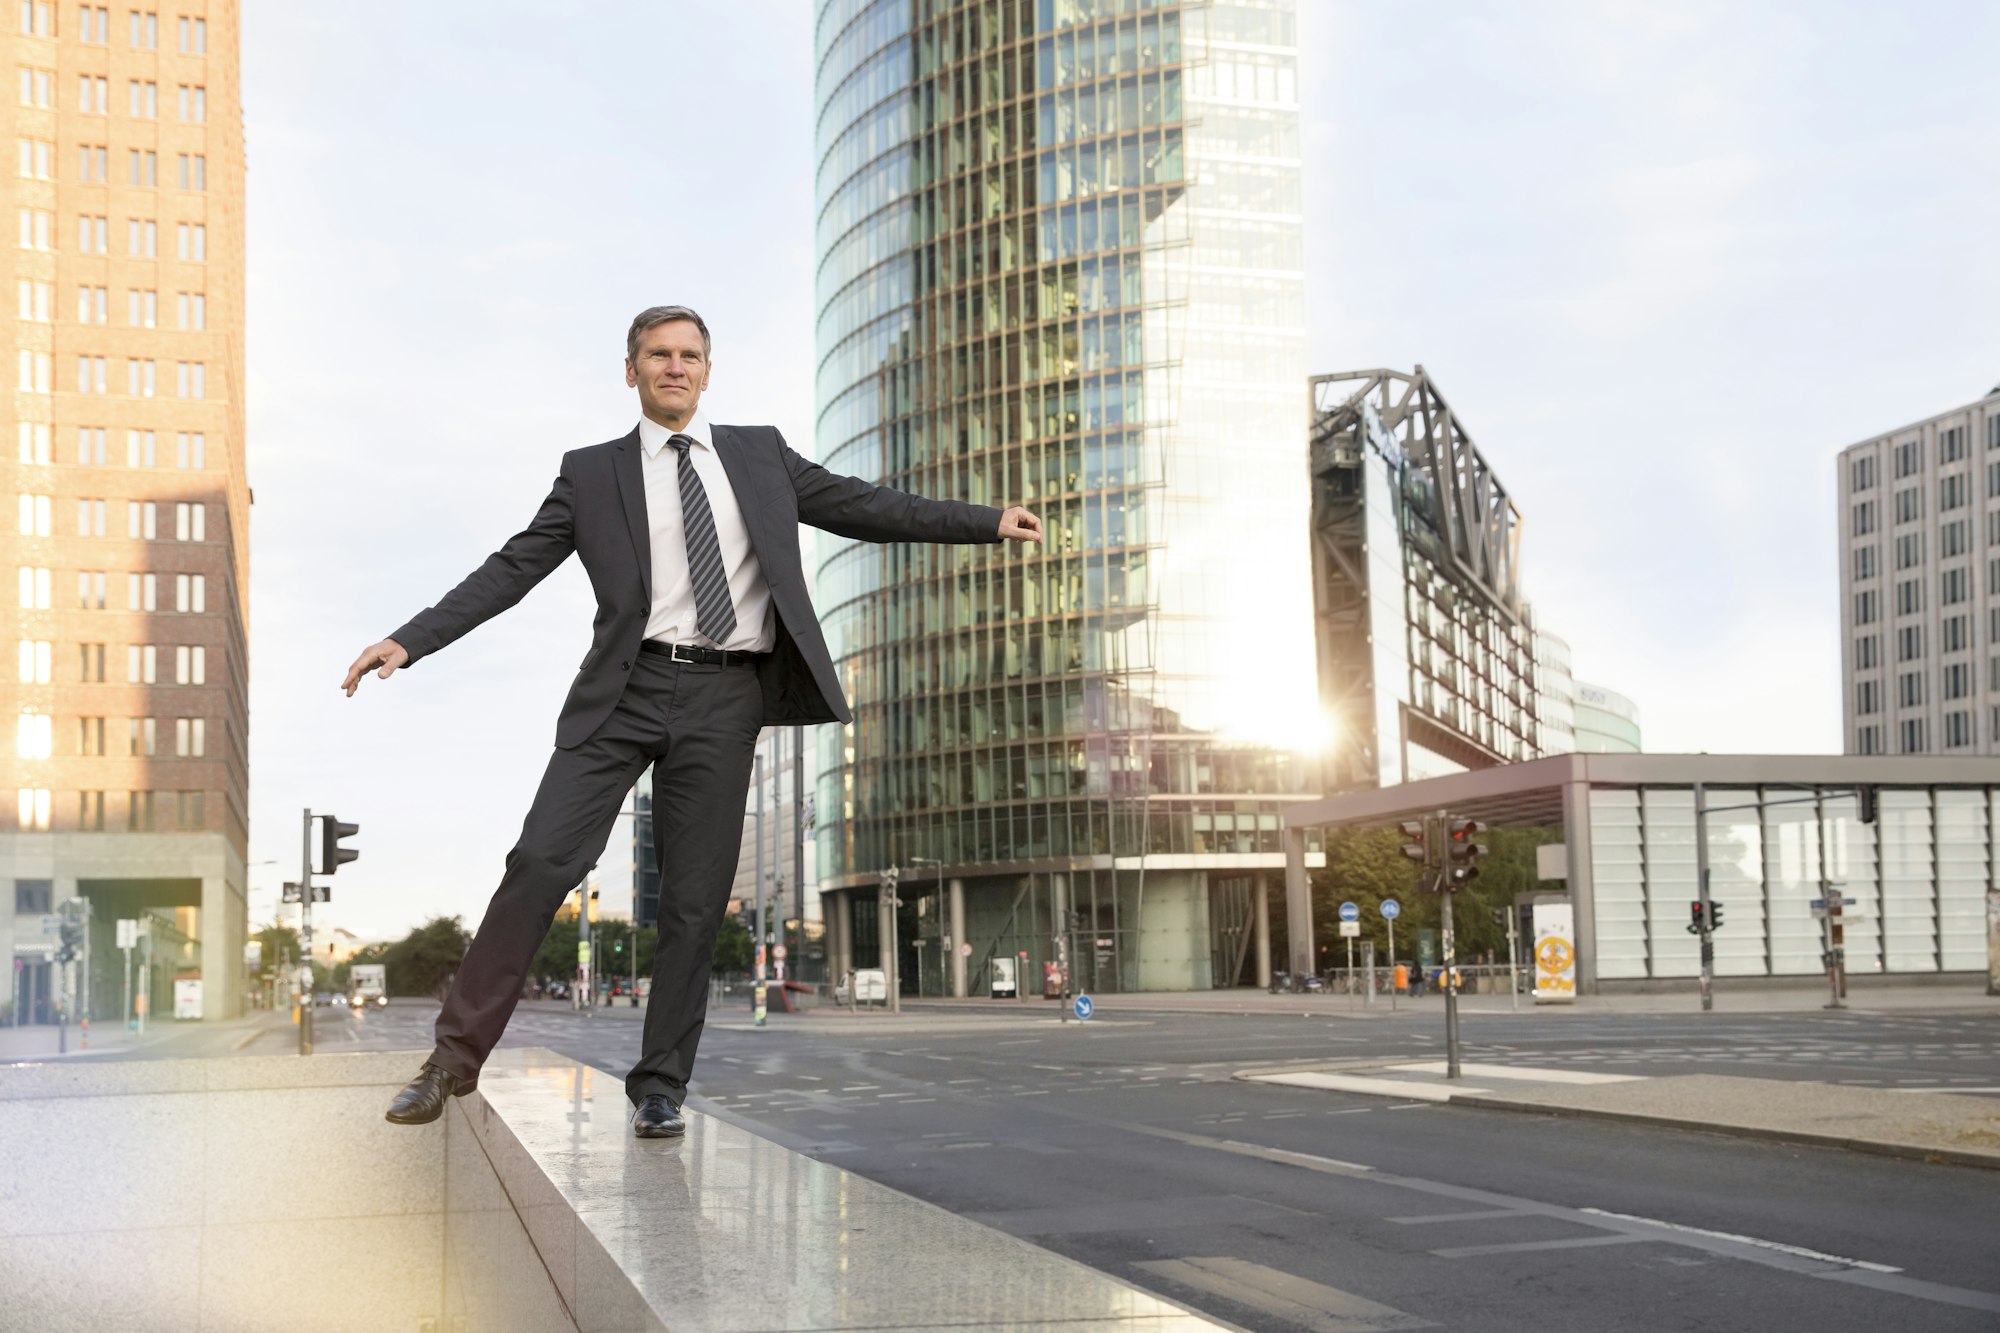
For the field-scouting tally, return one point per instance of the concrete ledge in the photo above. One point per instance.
(722, 1230)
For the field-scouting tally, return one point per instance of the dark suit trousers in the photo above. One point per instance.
(697, 725)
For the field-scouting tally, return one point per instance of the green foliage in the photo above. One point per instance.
(556, 959)
(734, 950)
(1366, 865)
(279, 943)
(423, 961)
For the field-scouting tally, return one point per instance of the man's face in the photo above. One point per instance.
(670, 371)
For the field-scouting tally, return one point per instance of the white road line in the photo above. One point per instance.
(1798, 1251)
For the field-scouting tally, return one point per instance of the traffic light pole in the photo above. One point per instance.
(306, 933)
(1701, 883)
(1449, 941)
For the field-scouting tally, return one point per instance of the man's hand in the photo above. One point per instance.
(387, 655)
(1020, 525)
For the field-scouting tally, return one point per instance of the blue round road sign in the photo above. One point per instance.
(1349, 912)
(1083, 1006)
(1390, 909)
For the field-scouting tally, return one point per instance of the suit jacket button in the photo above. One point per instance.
(624, 666)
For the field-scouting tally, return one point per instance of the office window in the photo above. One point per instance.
(1864, 652)
(142, 168)
(143, 98)
(140, 379)
(142, 738)
(1909, 504)
(92, 236)
(142, 308)
(34, 809)
(93, 163)
(139, 451)
(1952, 491)
(1909, 597)
(90, 589)
(93, 305)
(36, 582)
(1864, 607)
(193, 171)
(1954, 585)
(90, 518)
(142, 238)
(191, 379)
(34, 449)
(32, 897)
(142, 592)
(191, 522)
(33, 736)
(1957, 680)
(38, 159)
(1909, 643)
(1864, 562)
(139, 812)
(35, 512)
(34, 661)
(90, 449)
(194, 37)
(1909, 457)
(91, 663)
(1866, 701)
(141, 520)
(1909, 550)
(190, 737)
(1910, 689)
(1957, 730)
(190, 593)
(1954, 538)
(90, 374)
(37, 87)
(188, 809)
(1951, 444)
(192, 310)
(37, 227)
(1957, 633)
(145, 30)
(142, 663)
(191, 665)
(1993, 431)
(190, 449)
(37, 299)
(90, 736)
(193, 242)
(37, 19)
(90, 811)
(93, 94)
(34, 372)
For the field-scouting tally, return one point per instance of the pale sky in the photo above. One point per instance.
(1665, 260)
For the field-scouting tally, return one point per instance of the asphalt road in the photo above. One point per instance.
(1126, 1145)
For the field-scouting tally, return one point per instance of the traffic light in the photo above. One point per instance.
(332, 856)
(1694, 917)
(1463, 849)
(1416, 841)
(1714, 915)
(1871, 804)
(71, 937)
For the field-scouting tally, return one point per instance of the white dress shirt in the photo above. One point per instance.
(672, 618)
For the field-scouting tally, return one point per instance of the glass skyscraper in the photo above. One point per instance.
(1060, 265)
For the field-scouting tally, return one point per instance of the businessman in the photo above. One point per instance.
(704, 634)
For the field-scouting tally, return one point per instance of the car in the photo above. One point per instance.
(321, 999)
(339, 1001)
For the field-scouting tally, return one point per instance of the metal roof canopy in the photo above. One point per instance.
(1532, 792)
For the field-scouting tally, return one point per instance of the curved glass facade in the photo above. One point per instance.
(1060, 265)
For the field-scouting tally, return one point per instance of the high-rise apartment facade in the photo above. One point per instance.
(1919, 552)
(1060, 265)
(126, 779)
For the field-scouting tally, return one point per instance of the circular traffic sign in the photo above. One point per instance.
(1083, 1006)
(1391, 909)
(1349, 912)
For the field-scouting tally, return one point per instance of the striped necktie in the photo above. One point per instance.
(714, 614)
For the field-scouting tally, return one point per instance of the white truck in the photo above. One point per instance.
(367, 983)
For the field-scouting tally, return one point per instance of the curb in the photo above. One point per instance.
(1907, 1151)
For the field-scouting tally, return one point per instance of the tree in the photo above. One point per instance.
(734, 951)
(278, 945)
(424, 961)
(556, 959)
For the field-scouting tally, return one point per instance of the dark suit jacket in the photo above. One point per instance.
(597, 509)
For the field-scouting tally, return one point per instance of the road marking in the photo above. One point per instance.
(1797, 1251)
(964, 1080)
(1574, 1243)
(862, 1087)
(1516, 1072)
(1378, 1087)
(1295, 1300)
(1479, 1216)
(1941, 1089)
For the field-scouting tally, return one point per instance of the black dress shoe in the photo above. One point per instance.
(423, 1100)
(658, 1117)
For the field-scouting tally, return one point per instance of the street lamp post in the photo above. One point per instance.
(944, 934)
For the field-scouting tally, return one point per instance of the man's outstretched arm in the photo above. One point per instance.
(500, 581)
(851, 507)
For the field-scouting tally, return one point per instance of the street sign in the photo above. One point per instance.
(1349, 912)
(51, 924)
(1083, 1006)
(582, 951)
(291, 892)
(1820, 904)
(1391, 909)
(128, 932)
(778, 952)
(1350, 929)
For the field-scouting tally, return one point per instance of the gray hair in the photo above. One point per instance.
(655, 315)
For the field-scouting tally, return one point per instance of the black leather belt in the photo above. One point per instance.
(688, 652)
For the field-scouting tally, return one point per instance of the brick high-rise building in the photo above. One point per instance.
(126, 781)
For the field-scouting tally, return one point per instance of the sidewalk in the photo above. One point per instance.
(34, 1043)
(1928, 1126)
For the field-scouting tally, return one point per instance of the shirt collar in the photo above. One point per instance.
(653, 436)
